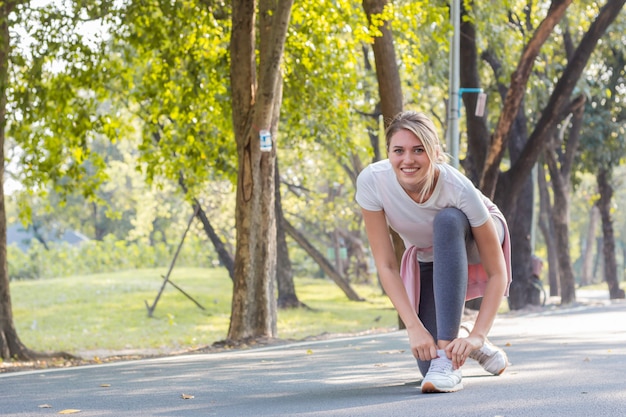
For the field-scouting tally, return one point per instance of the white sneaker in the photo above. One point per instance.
(490, 357)
(441, 377)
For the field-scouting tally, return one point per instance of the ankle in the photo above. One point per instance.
(441, 344)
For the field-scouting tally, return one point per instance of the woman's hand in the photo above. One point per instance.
(422, 344)
(459, 349)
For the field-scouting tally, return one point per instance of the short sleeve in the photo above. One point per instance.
(474, 206)
(366, 191)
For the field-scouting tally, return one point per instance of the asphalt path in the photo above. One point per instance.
(563, 362)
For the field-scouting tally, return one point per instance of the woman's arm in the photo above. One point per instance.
(421, 341)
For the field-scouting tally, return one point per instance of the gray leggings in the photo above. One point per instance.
(443, 282)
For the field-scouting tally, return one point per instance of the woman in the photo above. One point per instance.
(457, 249)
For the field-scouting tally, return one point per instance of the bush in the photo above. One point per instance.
(108, 255)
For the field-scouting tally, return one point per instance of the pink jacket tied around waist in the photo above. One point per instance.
(477, 276)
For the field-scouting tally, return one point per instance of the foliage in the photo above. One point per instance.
(172, 63)
(55, 101)
(104, 312)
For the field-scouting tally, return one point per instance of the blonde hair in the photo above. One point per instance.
(421, 126)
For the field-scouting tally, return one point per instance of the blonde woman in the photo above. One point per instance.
(457, 249)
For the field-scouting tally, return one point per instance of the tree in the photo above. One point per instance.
(45, 106)
(603, 138)
(253, 102)
(547, 229)
(553, 113)
(10, 344)
(511, 182)
(388, 76)
(559, 157)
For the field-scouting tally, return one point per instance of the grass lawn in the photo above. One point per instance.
(107, 312)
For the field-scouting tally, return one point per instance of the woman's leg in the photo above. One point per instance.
(451, 232)
(427, 311)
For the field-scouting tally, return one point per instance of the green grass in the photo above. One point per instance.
(107, 311)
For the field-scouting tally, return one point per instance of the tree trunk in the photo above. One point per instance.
(359, 264)
(253, 312)
(10, 344)
(560, 172)
(222, 253)
(326, 266)
(389, 87)
(547, 228)
(522, 292)
(477, 129)
(560, 217)
(610, 263)
(287, 297)
(590, 243)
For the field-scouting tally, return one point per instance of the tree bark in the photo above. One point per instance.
(253, 313)
(547, 228)
(477, 129)
(326, 266)
(222, 253)
(560, 217)
(610, 264)
(590, 243)
(287, 297)
(389, 86)
(560, 172)
(10, 344)
(387, 74)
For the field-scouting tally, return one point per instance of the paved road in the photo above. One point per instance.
(564, 362)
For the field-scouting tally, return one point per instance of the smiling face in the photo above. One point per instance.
(409, 160)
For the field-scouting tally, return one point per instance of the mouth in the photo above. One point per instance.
(409, 170)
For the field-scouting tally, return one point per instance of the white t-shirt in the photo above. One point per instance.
(378, 189)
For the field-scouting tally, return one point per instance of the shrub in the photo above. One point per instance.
(108, 255)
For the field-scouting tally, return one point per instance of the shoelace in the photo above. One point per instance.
(440, 365)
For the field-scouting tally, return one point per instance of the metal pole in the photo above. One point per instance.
(453, 101)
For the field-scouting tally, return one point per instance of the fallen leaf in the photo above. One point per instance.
(186, 396)
(105, 385)
(69, 411)
(45, 406)
(309, 352)
(586, 360)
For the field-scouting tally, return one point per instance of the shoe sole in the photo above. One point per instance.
(429, 387)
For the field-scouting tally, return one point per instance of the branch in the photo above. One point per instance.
(553, 112)
(515, 94)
